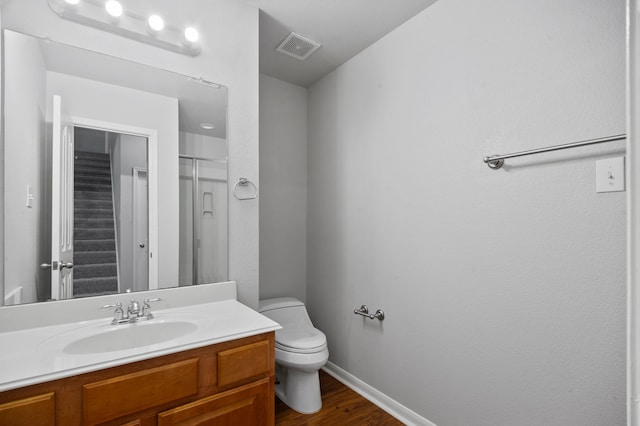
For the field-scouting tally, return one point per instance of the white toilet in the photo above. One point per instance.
(301, 349)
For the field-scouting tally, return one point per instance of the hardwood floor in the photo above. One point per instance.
(340, 406)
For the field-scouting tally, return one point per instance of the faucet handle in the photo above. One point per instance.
(117, 306)
(118, 313)
(146, 307)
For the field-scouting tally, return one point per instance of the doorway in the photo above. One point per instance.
(110, 212)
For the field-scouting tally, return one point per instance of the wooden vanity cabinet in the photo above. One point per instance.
(230, 383)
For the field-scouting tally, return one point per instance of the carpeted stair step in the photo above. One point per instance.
(95, 245)
(91, 195)
(101, 270)
(93, 213)
(93, 178)
(94, 234)
(88, 224)
(85, 287)
(87, 154)
(91, 159)
(93, 204)
(93, 257)
(93, 187)
(89, 170)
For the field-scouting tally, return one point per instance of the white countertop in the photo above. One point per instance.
(35, 355)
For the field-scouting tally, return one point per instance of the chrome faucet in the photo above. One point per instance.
(133, 314)
(133, 309)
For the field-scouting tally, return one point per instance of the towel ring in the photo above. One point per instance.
(245, 182)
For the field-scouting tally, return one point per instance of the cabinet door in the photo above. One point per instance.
(37, 410)
(131, 393)
(245, 405)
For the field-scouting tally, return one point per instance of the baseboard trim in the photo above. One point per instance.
(389, 405)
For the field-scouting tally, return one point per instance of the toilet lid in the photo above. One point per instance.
(300, 339)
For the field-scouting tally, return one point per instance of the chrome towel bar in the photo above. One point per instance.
(497, 161)
(364, 311)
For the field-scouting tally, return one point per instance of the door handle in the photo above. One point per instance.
(141, 245)
(53, 265)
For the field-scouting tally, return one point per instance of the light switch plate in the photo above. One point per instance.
(610, 175)
(29, 197)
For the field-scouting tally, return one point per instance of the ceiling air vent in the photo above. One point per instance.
(298, 46)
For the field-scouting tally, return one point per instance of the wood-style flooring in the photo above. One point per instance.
(340, 406)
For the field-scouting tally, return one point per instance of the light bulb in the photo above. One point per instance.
(156, 23)
(73, 2)
(191, 35)
(114, 8)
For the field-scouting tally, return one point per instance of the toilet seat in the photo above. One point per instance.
(301, 350)
(300, 339)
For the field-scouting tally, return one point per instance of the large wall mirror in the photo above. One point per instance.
(115, 174)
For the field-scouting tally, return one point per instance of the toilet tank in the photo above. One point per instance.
(286, 311)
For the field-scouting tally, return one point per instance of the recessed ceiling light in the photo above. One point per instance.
(207, 126)
(156, 23)
(114, 8)
(191, 35)
(74, 2)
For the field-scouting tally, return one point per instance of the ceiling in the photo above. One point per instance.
(343, 27)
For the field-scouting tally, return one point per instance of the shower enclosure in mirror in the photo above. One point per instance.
(115, 174)
(203, 218)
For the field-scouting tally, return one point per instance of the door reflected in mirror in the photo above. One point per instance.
(115, 174)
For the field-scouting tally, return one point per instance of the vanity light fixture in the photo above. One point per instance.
(156, 23)
(114, 8)
(191, 35)
(115, 18)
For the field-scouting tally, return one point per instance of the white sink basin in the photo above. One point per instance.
(130, 336)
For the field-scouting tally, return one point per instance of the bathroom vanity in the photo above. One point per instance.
(217, 366)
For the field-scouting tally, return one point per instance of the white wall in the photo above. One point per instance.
(94, 100)
(25, 135)
(504, 290)
(229, 34)
(283, 196)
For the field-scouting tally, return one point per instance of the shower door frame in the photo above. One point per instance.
(633, 214)
(195, 213)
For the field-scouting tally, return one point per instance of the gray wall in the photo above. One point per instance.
(504, 290)
(283, 195)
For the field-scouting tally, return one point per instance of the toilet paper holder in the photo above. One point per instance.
(364, 311)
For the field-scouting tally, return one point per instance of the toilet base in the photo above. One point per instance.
(299, 389)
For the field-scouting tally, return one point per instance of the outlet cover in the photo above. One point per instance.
(610, 175)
